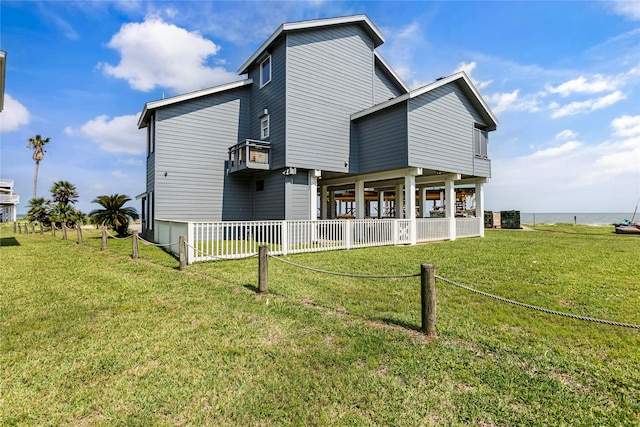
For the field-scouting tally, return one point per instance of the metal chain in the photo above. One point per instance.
(544, 310)
(362, 276)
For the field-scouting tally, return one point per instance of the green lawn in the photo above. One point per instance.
(96, 338)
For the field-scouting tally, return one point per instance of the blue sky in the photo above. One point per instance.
(563, 78)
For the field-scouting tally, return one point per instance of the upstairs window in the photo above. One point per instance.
(265, 71)
(151, 135)
(264, 127)
(480, 142)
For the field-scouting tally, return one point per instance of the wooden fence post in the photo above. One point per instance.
(263, 269)
(19, 229)
(26, 228)
(64, 230)
(134, 244)
(428, 299)
(41, 228)
(79, 228)
(183, 252)
(15, 227)
(33, 228)
(53, 228)
(103, 246)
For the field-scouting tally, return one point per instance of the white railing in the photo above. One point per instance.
(468, 227)
(13, 199)
(239, 239)
(432, 229)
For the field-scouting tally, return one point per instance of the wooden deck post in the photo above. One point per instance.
(263, 269)
(134, 245)
(428, 299)
(103, 246)
(183, 252)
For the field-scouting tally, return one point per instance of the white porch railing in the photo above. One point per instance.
(239, 239)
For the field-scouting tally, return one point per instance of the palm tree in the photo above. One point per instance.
(64, 193)
(39, 210)
(114, 214)
(36, 143)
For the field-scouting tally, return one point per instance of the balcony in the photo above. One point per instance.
(9, 199)
(249, 154)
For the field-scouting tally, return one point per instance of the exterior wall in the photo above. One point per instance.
(191, 148)
(269, 203)
(329, 76)
(296, 189)
(273, 97)
(151, 183)
(383, 88)
(482, 167)
(382, 140)
(441, 124)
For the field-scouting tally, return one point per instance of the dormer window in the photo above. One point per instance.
(265, 71)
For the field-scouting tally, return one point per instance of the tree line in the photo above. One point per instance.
(60, 209)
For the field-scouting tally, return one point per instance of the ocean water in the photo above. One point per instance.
(578, 218)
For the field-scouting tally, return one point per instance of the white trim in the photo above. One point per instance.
(150, 106)
(391, 71)
(262, 82)
(375, 33)
(427, 88)
(263, 120)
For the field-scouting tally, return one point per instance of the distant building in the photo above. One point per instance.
(8, 201)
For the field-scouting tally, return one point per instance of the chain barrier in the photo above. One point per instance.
(362, 276)
(533, 307)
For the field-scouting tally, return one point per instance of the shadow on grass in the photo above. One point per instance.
(400, 323)
(9, 241)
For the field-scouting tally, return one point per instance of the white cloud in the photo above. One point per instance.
(502, 101)
(468, 68)
(626, 125)
(512, 101)
(118, 135)
(596, 84)
(579, 107)
(118, 174)
(13, 115)
(566, 134)
(627, 8)
(155, 53)
(556, 152)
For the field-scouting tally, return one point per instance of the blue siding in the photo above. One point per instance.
(329, 76)
(383, 88)
(192, 142)
(269, 204)
(382, 140)
(441, 126)
(297, 196)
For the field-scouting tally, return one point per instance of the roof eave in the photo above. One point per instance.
(153, 105)
(375, 33)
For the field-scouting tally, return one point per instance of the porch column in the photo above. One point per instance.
(423, 201)
(323, 202)
(360, 208)
(450, 207)
(480, 204)
(332, 204)
(399, 201)
(410, 193)
(313, 193)
(380, 203)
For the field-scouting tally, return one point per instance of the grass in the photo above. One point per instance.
(96, 338)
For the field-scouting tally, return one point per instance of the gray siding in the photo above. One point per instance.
(482, 167)
(329, 76)
(297, 196)
(383, 88)
(269, 204)
(271, 96)
(192, 142)
(382, 139)
(441, 130)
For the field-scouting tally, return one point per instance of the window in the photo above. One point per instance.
(480, 142)
(260, 185)
(151, 135)
(264, 127)
(265, 71)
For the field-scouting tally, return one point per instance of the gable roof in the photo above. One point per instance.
(460, 78)
(149, 107)
(390, 71)
(363, 20)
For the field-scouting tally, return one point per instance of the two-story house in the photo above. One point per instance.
(320, 113)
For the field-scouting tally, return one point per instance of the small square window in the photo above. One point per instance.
(265, 71)
(264, 127)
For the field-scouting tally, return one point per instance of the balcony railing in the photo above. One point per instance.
(13, 200)
(249, 154)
